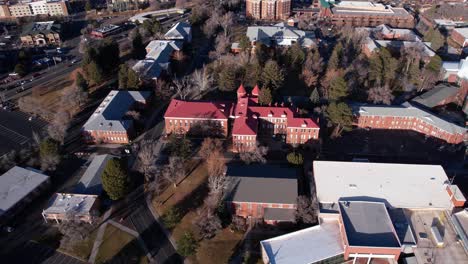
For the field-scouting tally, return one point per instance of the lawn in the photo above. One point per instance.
(220, 248)
(119, 244)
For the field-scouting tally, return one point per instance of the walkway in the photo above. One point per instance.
(99, 237)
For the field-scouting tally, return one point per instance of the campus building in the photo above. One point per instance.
(460, 36)
(408, 116)
(280, 35)
(455, 71)
(109, 123)
(365, 14)
(376, 211)
(442, 94)
(276, 203)
(68, 206)
(246, 120)
(105, 31)
(33, 8)
(41, 34)
(268, 9)
(18, 187)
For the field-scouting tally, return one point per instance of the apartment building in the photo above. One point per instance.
(249, 120)
(41, 34)
(43, 7)
(268, 9)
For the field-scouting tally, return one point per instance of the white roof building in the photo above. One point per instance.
(63, 205)
(180, 31)
(309, 245)
(281, 35)
(398, 185)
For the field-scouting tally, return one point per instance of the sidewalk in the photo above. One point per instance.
(99, 237)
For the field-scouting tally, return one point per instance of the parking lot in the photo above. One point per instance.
(16, 130)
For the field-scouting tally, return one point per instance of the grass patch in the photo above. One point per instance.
(220, 248)
(114, 242)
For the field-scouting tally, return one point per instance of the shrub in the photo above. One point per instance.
(187, 245)
(172, 217)
(295, 158)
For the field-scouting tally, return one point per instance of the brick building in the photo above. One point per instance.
(70, 206)
(408, 117)
(442, 94)
(277, 200)
(41, 34)
(460, 36)
(268, 9)
(109, 123)
(248, 120)
(364, 14)
(33, 8)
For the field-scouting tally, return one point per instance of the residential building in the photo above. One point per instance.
(41, 34)
(365, 14)
(268, 9)
(18, 187)
(181, 31)
(274, 204)
(109, 124)
(90, 182)
(455, 72)
(105, 31)
(442, 94)
(68, 206)
(43, 7)
(280, 35)
(460, 36)
(385, 32)
(408, 116)
(371, 45)
(250, 122)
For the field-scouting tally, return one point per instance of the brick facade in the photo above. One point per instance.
(268, 9)
(254, 210)
(459, 38)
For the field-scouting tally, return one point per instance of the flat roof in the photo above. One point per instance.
(462, 31)
(279, 214)
(305, 246)
(262, 183)
(64, 203)
(16, 184)
(368, 224)
(398, 185)
(107, 28)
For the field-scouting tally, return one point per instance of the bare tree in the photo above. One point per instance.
(222, 46)
(238, 223)
(135, 115)
(307, 209)
(183, 86)
(148, 156)
(380, 95)
(208, 223)
(73, 231)
(202, 79)
(210, 145)
(174, 170)
(226, 22)
(213, 23)
(257, 154)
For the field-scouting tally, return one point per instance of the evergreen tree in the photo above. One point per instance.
(244, 43)
(88, 5)
(20, 69)
(115, 180)
(434, 64)
(435, 37)
(314, 96)
(340, 115)
(336, 56)
(414, 73)
(48, 147)
(81, 82)
(156, 28)
(227, 79)
(295, 56)
(123, 76)
(295, 158)
(272, 75)
(338, 89)
(390, 65)
(265, 97)
(94, 72)
(132, 81)
(138, 48)
(187, 245)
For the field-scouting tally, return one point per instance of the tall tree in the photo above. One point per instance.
(227, 79)
(307, 209)
(138, 48)
(380, 95)
(436, 38)
(244, 43)
(265, 97)
(133, 81)
(115, 179)
(123, 76)
(341, 116)
(336, 56)
(295, 56)
(338, 89)
(314, 96)
(94, 72)
(272, 75)
(49, 154)
(81, 82)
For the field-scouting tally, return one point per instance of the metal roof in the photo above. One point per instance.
(16, 184)
(262, 183)
(309, 245)
(279, 214)
(437, 94)
(368, 224)
(180, 31)
(90, 182)
(398, 185)
(407, 110)
(109, 114)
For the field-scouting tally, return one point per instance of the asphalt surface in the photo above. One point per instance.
(16, 130)
(41, 253)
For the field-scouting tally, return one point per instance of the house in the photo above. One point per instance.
(181, 31)
(250, 121)
(441, 94)
(109, 124)
(455, 72)
(105, 31)
(408, 116)
(90, 182)
(365, 14)
(18, 187)
(67, 206)
(408, 186)
(460, 36)
(311, 245)
(280, 35)
(158, 59)
(277, 200)
(268, 9)
(41, 34)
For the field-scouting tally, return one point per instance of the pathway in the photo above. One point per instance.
(99, 237)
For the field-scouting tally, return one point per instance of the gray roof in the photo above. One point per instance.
(462, 31)
(180, 31)
(157, 59)
(109, 114)
(402, 226)
(279, 214)
(262, 184)
(16, 184)
(45, 27)
(366, 8)
(368, 224)
(269, 34)
(436, 95)
(90, 182)
(397, 44)
(407, 110)
(68, 203)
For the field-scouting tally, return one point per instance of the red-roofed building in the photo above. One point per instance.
(249, 120)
